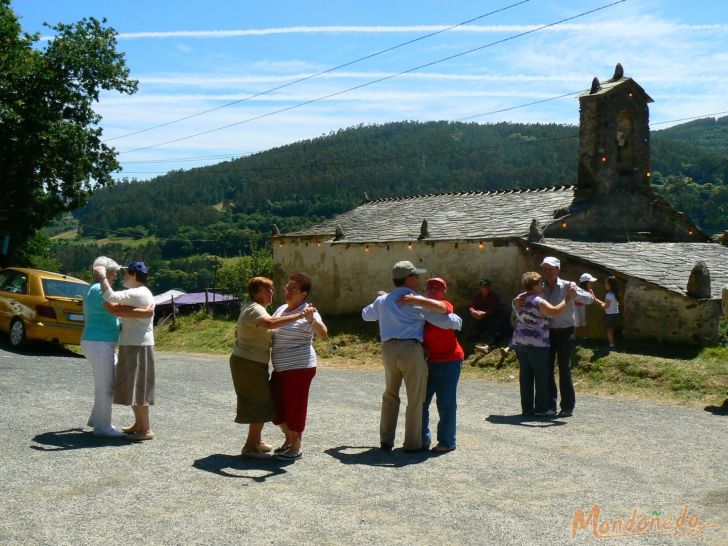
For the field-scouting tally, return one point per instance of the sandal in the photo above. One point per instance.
(288, 456)
(284, 447)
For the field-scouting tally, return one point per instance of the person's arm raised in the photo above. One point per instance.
(435, 306)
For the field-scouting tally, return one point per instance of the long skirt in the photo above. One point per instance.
(250, 379)
(134, 383)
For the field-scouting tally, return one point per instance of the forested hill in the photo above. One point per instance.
(236, 202)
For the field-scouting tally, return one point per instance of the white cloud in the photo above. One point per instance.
(612, 26)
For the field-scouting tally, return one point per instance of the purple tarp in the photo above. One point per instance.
(199, 298)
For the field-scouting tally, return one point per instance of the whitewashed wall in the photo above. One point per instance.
(654, 313)
(346, 278)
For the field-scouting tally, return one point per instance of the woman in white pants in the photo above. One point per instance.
(98, 342)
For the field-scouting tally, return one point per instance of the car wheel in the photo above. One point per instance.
(17, 334)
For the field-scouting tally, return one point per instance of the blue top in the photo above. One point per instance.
(100, 324)
(405, 321)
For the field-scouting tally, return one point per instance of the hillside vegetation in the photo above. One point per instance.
(228, 209)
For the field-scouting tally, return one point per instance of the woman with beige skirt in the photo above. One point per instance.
(134, 382)
(249, 363)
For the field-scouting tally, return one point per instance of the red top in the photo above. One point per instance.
(441, 344)
(489, 304)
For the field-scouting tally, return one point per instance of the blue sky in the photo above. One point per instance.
(190, 57)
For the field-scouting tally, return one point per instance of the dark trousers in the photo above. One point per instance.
(534, 372)
(560, 340)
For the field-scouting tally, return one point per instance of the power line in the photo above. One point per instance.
(418, 154)
(156, 238)
(379, 80)
(313, 143)
(519, 106)
(323, 72)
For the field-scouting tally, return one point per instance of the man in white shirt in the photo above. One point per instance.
(561, 329)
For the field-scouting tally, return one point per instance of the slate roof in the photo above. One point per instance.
(608, 85)
(667, 265)
(452, 216)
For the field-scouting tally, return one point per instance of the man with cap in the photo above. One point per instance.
(561, 329)
(484, 309)
(401, 331)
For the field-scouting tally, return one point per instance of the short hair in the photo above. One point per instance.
(108, 263)
(302, 281)
(256, 283)
(530, 279)
(398, 282)
(138, 275)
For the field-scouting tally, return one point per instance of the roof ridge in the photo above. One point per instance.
(562, 187)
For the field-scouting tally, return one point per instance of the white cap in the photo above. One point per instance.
(553, 262)
(586, 277)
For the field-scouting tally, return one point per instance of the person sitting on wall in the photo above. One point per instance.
(487, 323)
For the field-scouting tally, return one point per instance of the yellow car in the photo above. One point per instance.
(38, 305)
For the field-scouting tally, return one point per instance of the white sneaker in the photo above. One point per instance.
(110, 432)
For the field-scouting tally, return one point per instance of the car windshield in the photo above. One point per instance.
(64, 289)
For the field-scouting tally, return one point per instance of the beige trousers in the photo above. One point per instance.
(403, 359)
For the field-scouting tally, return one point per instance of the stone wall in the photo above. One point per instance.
(654, 313)
(614, 143)
(347, 277)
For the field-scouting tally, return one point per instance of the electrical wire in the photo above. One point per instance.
(415, 155)
(378, 80)
(323, 72)
(314, 143)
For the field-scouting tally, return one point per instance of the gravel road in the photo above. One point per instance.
(510, 481)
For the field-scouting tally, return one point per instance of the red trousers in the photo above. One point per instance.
(290, 397)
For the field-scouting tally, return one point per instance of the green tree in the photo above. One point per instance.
(50, 139)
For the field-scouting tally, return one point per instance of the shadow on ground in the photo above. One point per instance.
(39, 348)
(74, 438)
(520, 420)
(373, 456)
(718, 410)
(234, 466)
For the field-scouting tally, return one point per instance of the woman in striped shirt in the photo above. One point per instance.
(294, 364)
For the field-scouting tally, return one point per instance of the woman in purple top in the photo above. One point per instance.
(531, 343)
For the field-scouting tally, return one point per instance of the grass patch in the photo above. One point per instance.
(196, 333)
(695, 381)
(683, 375)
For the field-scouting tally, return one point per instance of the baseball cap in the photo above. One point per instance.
(485, 282)
(437, 280)
(140, 267)
(550, 260)
(586, 277)
(400, 270)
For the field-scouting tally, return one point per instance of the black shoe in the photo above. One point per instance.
(424, 447)
(385, 446)
(565, 413)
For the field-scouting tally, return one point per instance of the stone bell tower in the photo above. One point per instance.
(613, 199)
(614, 138)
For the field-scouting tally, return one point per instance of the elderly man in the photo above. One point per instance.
(401, 331)
(561, 329)
(484, 311)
